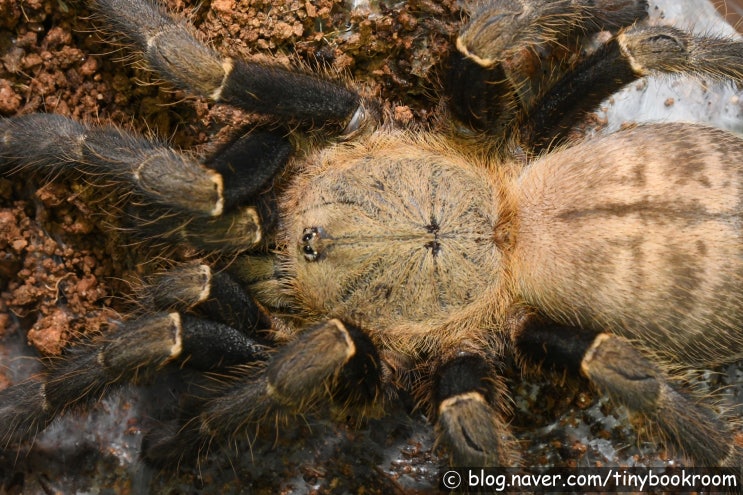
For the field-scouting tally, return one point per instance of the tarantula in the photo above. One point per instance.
(382, 258)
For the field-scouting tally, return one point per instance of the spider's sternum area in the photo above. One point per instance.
(393, 232)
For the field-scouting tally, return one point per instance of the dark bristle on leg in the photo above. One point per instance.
(612, 14)
(616, 368)
(550, 346)
(196, 287)
(469, 84)
(235, 231)
(464, 394)
(284, 93)
(178, 57)
(603, 73)
(249, 163)
(330, 364)
(210, 345)
(132, 351)
(685, 421)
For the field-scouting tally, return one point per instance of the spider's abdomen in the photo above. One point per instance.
(640, 233)
(392, 235)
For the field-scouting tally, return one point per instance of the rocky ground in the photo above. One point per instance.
(64, 273)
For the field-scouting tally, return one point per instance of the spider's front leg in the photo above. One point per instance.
(171, 50)
(176, 197)
(161, 193)
(172, 197)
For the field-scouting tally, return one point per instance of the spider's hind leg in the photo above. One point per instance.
(132, 352)
(624, 373)
(634, 53)
(525, 74)
(512, 51)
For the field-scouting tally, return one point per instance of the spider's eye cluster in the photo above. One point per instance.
(309, 245)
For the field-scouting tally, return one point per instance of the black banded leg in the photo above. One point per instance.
(482, 98)
(167, 196)
(49, 144)
(466, 392)
(250, 162)
(170, 49)
(555, 114)
(329, 365)
(634, 53)
(625, 374)
(500, 29)
(509, 75)
(247, 166)
(196, 287)
(87, 373)
(669, 50)
(512, 51)
(132, 352)
(235, 231)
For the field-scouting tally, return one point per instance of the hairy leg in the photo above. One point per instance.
(330, 365)
(517, 78)
(468, 399)
(172, 51)
(623, 372)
